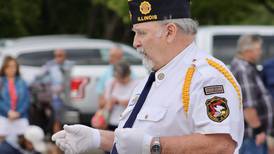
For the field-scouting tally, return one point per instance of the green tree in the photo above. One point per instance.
(19, 17)
(213, 12)
(109, 19)
(115, 19)
(120, 7)
(231, 12)
(65, 16)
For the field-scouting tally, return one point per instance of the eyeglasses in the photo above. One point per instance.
(59, 55)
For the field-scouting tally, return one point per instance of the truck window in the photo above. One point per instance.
(35, 58)
(224, 47)
(128, 56)
(79, 56)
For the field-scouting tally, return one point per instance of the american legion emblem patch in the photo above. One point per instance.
(217, 109)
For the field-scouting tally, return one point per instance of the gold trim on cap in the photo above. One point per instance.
(145, 7)
(130, 15)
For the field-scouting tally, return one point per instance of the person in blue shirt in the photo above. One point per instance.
(268, 75)
(14, 99)
(58, 71)
(268, 79)
(115, 55)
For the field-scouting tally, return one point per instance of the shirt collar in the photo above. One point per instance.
(246, 63)
(185, 57)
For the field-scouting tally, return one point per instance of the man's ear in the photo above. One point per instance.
(171, 32)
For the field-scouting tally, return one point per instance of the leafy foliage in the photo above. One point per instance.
(232, 12)
(109, 18)
(19, 17)
(118, 6)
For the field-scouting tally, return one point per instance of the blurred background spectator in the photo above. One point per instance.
(58, 73)
(268, 79)
(115, 56)
(268, 75)
(14, 99)
(257, 102)
(118, 92)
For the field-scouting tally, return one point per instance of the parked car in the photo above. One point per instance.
(91, 57)
(4, 43)
(221, 41)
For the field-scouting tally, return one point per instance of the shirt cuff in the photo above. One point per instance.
(146, 144)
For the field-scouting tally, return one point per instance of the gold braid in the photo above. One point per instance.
(186, 87)
(227, 75)
(189, 76)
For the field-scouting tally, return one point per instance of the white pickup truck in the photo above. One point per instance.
(91, 57)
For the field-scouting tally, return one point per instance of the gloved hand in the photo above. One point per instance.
(132, 140)
(76, 139)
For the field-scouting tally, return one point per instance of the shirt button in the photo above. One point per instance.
(135, 99)
(146, 116)
(161, 76)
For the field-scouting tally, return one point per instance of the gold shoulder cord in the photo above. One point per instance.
(189, 76)
(186, 86)
(227, 75)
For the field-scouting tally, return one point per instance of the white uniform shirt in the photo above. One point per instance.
(162, 113)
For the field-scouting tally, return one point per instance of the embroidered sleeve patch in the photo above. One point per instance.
(217, 109)
(216, 89)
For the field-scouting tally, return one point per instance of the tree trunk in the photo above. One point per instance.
(111, 26)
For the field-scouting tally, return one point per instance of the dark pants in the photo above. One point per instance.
(5, 147)
(112, 127)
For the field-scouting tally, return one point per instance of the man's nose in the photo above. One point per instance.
(136, 42)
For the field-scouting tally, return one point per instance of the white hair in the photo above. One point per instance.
(148, 63)
(246, 42)
(187, 25)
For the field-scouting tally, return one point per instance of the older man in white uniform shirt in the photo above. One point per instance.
(190, 103)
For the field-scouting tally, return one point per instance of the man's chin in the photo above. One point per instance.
(148, 66)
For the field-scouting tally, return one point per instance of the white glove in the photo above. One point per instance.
(132, 140)
(76, 139)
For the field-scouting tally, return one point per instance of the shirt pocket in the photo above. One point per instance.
(154, 114)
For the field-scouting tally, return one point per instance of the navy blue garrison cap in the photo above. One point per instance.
(154, 10)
